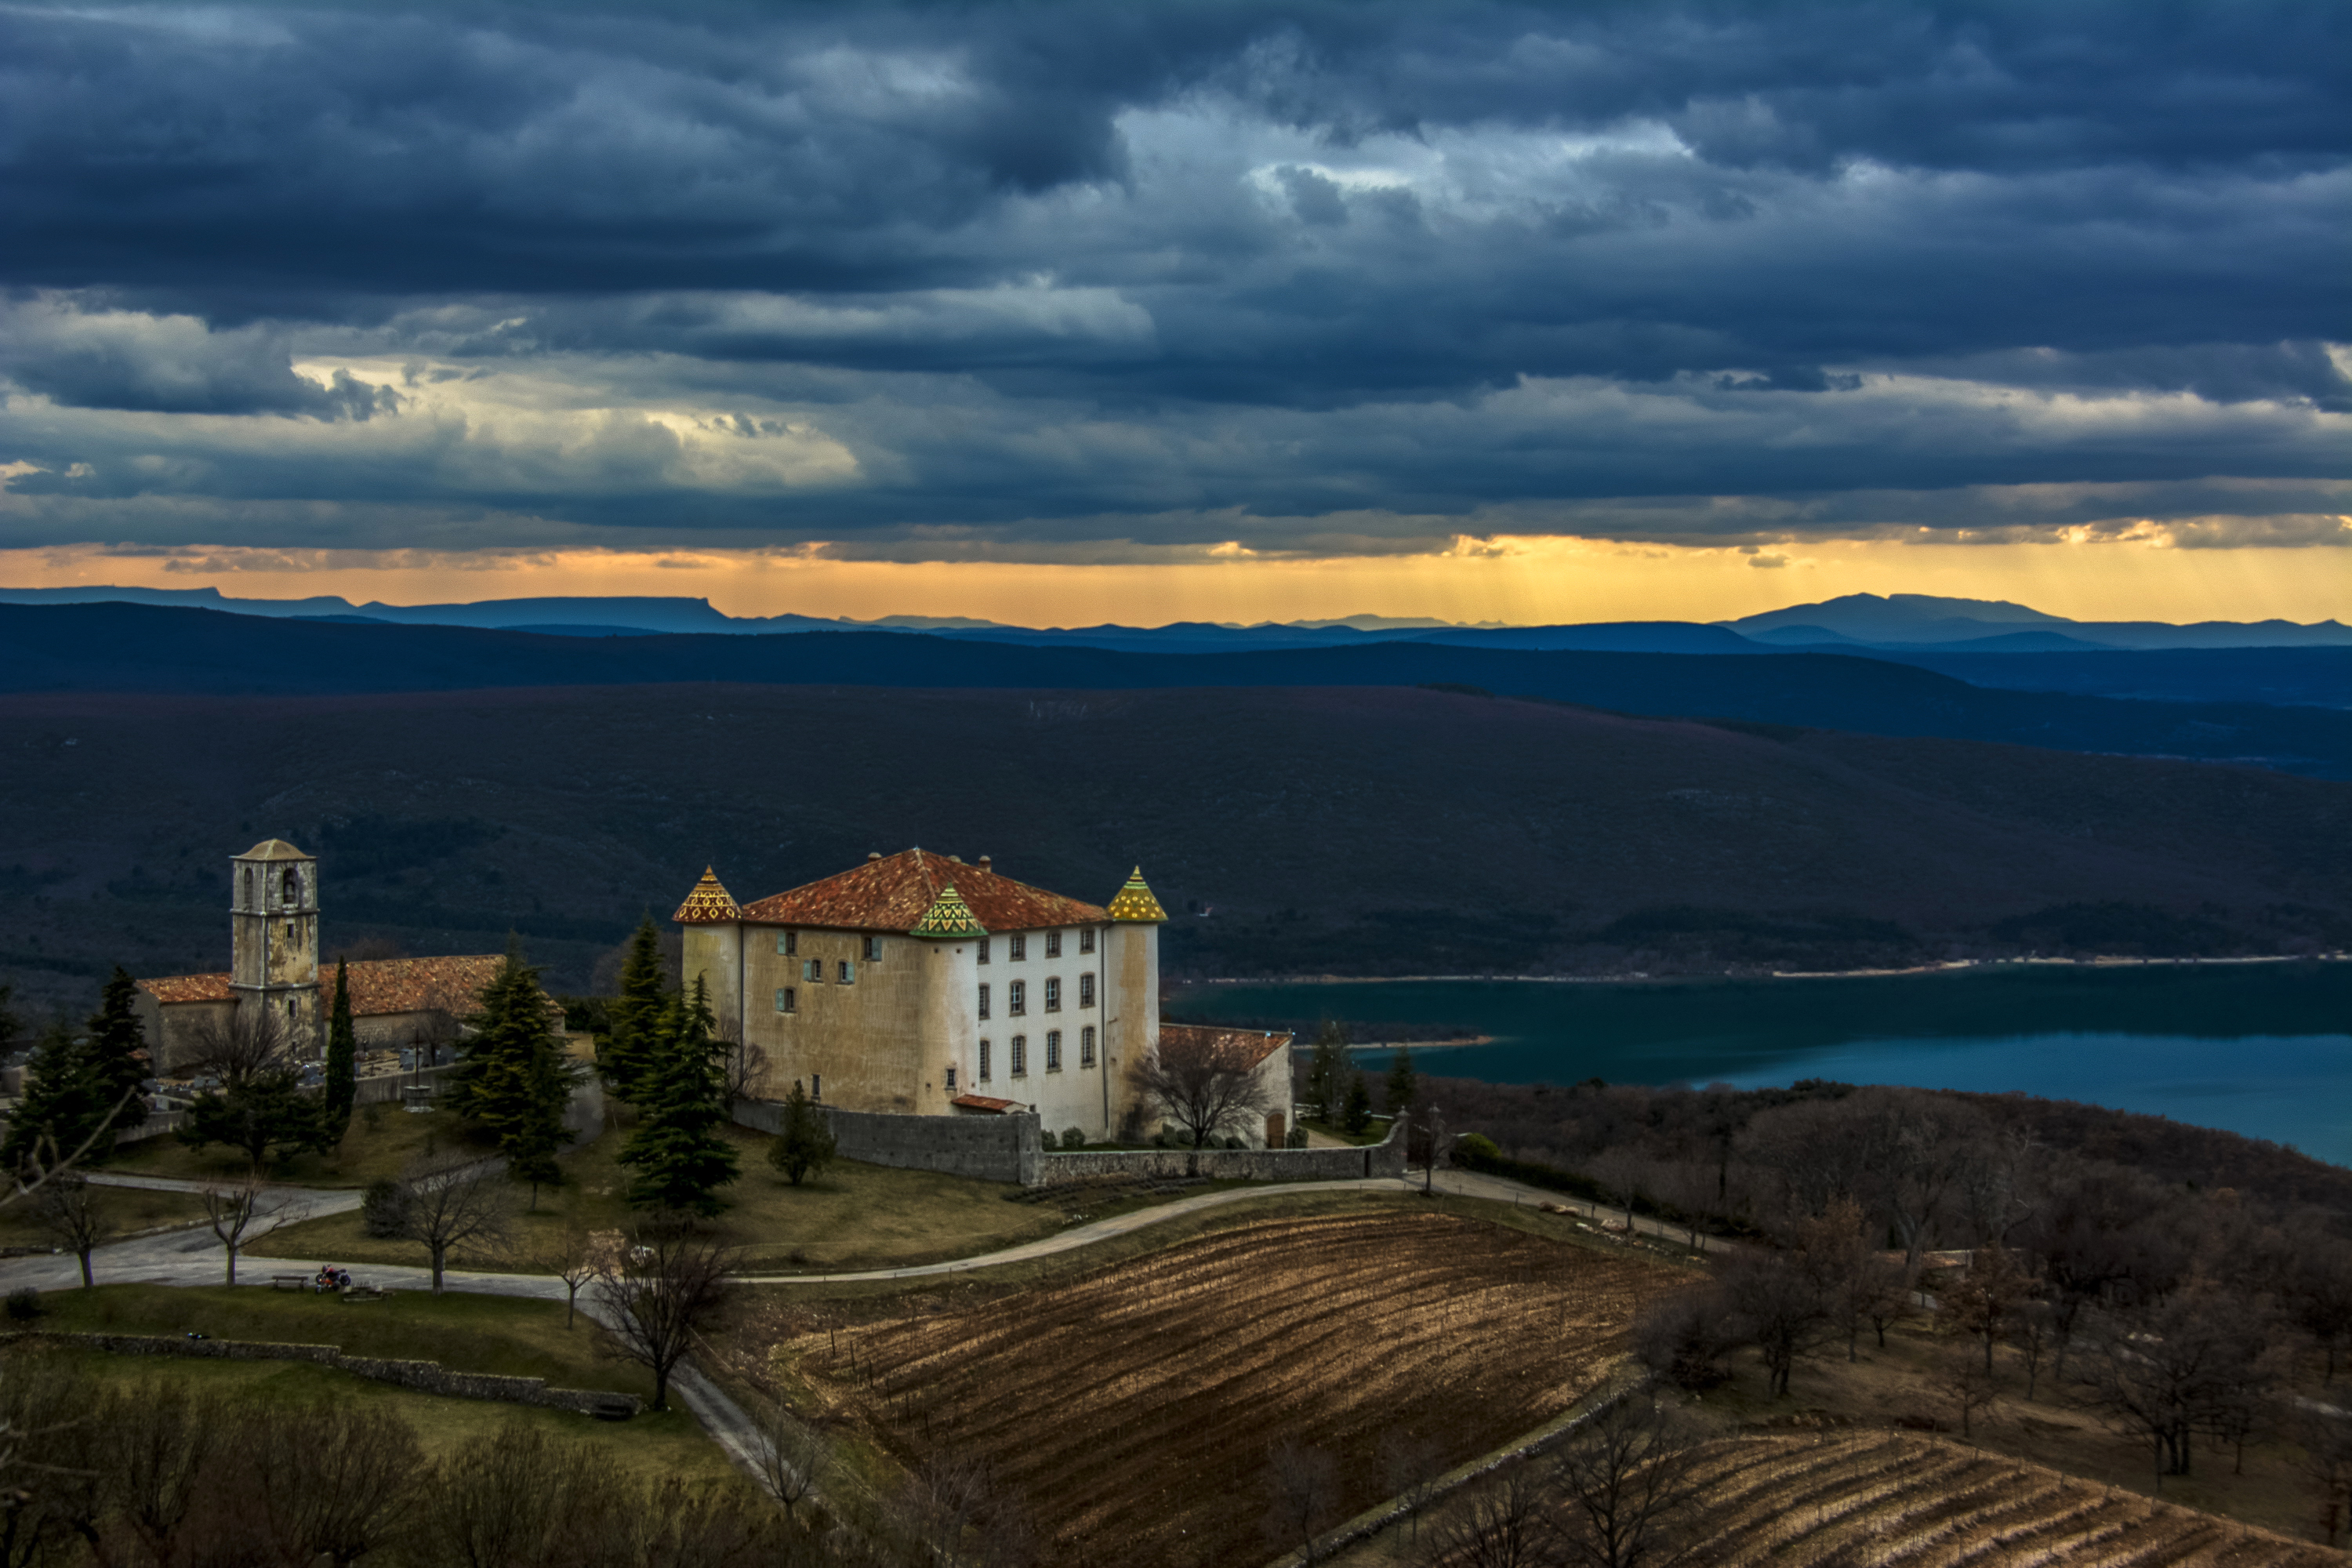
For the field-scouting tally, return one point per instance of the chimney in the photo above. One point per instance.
(987, 864)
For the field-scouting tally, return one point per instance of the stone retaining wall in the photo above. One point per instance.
(425, 1377)
(990, 1148)
(1385, 1158)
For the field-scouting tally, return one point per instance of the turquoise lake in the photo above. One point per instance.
(2262, 1049)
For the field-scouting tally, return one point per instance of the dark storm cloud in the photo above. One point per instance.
(853, 269)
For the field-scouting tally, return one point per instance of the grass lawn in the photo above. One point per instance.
(462, 1332)
(647, 1448)
(383, 1139)
(1376, 1131)
(127, 1210)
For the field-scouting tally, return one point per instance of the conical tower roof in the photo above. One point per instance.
(949, 916)
(1134, 902)
(709, 904)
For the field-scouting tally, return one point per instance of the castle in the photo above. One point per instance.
(919, 984)
(273, 970)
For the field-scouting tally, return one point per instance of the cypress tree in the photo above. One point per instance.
(1327, 1072)
(117, 1052)
(512, 1079)
(342, 1061)
(625, 1053)
(1403, 1084)
(1359, 1114)
(679, 1155)
(804, 1144)
(61, 1107)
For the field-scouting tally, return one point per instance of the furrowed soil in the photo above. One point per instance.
(1130, 1412)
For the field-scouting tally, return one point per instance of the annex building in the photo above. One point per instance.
(919, 984)
(274, 969)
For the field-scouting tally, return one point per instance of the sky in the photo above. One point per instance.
(1073, 313)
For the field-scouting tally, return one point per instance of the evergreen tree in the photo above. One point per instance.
(117, 1052)
(343, 1059)
(8, 1025)
(62, 1105)
(805, 1142)
(264, 1114)
(1327, 1072)
(1358, 1113)
(513, 1079)
(1403, 1083)
(679, 1157)
(624, 1056)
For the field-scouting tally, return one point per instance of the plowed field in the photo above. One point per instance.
(1132, 1411)
(1847, 1502)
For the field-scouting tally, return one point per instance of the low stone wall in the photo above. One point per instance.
(988, 1147)
(425, 1377)
(1385, 1158)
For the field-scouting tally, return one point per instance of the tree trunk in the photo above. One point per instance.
(661, 1388)
(85, 1280)
(440, 1255)
(232, 1265)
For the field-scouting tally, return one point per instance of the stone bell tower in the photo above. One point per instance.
(273, 938)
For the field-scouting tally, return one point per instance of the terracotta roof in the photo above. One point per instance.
(707, 904)
(189, 988)
(275, 850)
(982, 1102)
(893, 893)
(1134, 902)
(380, 985)
(1255, 1044)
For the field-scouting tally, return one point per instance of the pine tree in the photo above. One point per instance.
(117, 1053)
(513, 1080)
(679, 1157)
(342, 1061)
(1327, 1072)
(1359, 1114)
(1403, 1083)
(625, 1054)
(61, 1107)
(805, 1142)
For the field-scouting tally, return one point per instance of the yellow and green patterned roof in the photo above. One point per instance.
(709, 904)
(1135, 902)
(949, 916)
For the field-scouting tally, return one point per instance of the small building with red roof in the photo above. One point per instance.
(921, 983)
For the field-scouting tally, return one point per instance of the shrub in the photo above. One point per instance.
(1074, 1137)
(1294, 1139)
(25, 1304)
(1472, 1147)
(383, 1212)
(1235, 1144)
(1683, 1337)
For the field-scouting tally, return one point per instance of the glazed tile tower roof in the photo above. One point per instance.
(895, 892)
(707, 904)
(948, 918)
(1135, 902)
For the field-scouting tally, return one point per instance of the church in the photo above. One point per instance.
(274, 969)
(921, 985)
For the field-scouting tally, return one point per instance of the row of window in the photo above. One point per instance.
(1016, 946)
(1016, 995)
(788, 945)
(1019, 1055)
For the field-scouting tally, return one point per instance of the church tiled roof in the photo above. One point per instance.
(189, 988)
(1246, 1047)
(378, 986)
(893, 893)
(707, 904)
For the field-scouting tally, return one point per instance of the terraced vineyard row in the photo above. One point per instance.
(1916, 1502)
(1133, 1411)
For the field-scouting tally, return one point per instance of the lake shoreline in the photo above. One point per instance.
(1953, 966)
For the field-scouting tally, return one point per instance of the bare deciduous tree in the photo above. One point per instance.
(1963, 1380)
(1506, 1521)
(239, 1045)
(1206, 1080)
(745, 1064)
(73, 1213)
(1777, 1303)
(1303, 1484)
(1981, 1301)
(661, 1291)
(576, 1258)
(330, 1480)
(2165, 1372)
(1627, 1478)
(454, 1203)
(792, 1455)
(1409, 1463)
(240, 1213)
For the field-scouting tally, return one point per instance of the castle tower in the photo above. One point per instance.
(273, 938)
(1132, 966)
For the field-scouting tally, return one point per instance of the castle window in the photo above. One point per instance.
(1016, 998)
(248, 887)
(1053, 1051)
(787, 999)
(1016, 947)
(812, 971)
(1087, 1047)
(1053, 945)
(788, 944)
(983, 1061)
(1086, 939)
(873, 950)
(816, 1086)
(291, 893)
(983, 1012)
(1020, 1056)
(952, 1079)
(849, 973)
(1053, 994)
(1087, 989)
(983, 950)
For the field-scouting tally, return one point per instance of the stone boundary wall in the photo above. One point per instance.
(380, 1089)
(1385, 1158)
(990, 1148)
(425, 1377)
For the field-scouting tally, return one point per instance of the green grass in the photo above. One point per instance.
(1375, 1131)
(377, 1145)
(128, 1210)
(462, 1332)
(648, 1446)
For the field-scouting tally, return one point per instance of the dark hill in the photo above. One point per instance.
(1341, 829)
(135, 648)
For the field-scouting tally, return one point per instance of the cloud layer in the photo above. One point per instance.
(1312, 277)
